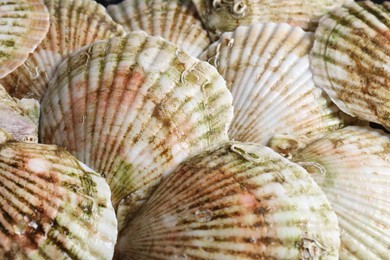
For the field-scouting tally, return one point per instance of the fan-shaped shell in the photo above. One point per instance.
(133, 108)
(240, 201)
(16, 120)
(174, 20)
(73, 24)
(52, 206)
(266, 67)
(352, 166)
(351, 60)
(226, 15)
(24, 24)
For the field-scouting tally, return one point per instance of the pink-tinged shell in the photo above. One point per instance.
(350, 60)
(73, 24)
(352, 167)
(240, 201)
(175, 20)
(23, 25)
(16, 121)
(52, 206)
(133, 108)
(221, 16)
(267, 68)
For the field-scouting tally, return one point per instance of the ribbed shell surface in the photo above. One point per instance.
(73, 24)
(267, 68)
(52, 207)
(351, 60)
(174, 20)
(352, 167)
(16, 121)
(226, 15)
(133, 108)
(240, 201)
(23, 25)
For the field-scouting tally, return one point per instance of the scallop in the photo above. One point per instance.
(73, 24)
(52, 206)
(267, 69)
(176, 21)
(23, 25)
(239, 201)
(352, 167)
(18, 119)
(221, 16)
(351, 60)
(133, 108)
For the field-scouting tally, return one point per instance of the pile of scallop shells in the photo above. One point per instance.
(204, 129)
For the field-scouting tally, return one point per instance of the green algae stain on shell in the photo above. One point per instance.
(351, 60)
(237, 201)
(52, 206)
(133, 108)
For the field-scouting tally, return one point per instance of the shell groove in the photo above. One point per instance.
(351, 60)
(17, 121)
(352, 166)
(240, 201)
(175, 21)
(221, 16)
(73, 24)
(267, 68)
(52, 206)
(133, 108)
(24, 24)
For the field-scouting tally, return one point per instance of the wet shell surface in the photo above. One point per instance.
(174, 20)
(226, 15)
(18, 119)
(240, 201)
(73, 24)
(352, 166)
(133, 108)
(267, 68)
(351, 60)
(52, 206)
(24, 24)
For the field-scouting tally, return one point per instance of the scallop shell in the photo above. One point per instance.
(352, 166)
(133, 108)
(240, 201)
(52, 206)
(351, 60)
(23, 26)
(226, 15)
(73, 24)
(266, 67)
(16, 120)
(174, 20)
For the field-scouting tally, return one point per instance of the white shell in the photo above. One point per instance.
(73, 24)
(267, 68)
(352, 166)
(52, 206)
(174, 20)
(240, 201)
(133, 108)
(351, 60)
(17, 120)
(23, 25)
